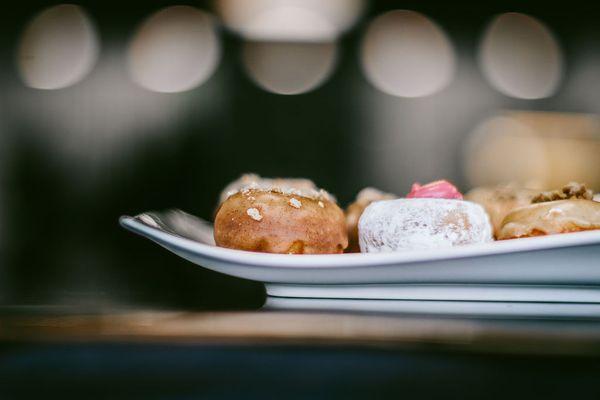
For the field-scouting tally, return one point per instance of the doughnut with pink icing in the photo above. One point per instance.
(421, 223)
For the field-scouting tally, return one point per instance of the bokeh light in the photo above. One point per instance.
(59, 47)
(540, 149)
(105, 118)
(289, 68)
(502, 149)
(520, 57)
(174, 50)
(289, 20)
(406, 54)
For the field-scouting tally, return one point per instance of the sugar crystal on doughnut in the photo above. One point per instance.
(294, 202)
(254, 214)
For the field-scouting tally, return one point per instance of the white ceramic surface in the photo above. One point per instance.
(567, 259)
(491, 309)
(441, 292)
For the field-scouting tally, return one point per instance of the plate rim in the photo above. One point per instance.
(356, 260)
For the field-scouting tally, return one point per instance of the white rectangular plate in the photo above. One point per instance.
(550, 276)
(567, 259)
(442, 292)
(485, 309)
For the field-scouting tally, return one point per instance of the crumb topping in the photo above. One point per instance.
(286, 186)
(321, 204)
(254, 214)
(552, 213)
(573, 190)
(294, 202)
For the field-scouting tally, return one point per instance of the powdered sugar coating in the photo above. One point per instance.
(419, 224)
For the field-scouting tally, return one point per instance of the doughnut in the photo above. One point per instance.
(355, 210)
(287, 216)
(421, 223)
(500, 200)
(570, 209)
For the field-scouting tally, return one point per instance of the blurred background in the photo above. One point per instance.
(111, 108)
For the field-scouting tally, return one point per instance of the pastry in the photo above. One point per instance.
(432, 216)
(570, 209)
(355, 210)
(498, 201)
(289, 216)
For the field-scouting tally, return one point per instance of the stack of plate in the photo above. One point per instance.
(545, 277)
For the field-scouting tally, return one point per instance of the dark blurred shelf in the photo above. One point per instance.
(534, 337)
(64, 353)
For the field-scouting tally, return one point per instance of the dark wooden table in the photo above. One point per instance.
(160, 354)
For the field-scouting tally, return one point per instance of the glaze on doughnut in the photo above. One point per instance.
(552, 217)
(570, 209)
(280, 216)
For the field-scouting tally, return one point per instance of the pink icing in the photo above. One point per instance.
(435, 190)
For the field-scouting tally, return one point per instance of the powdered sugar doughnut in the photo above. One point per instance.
(422, 223)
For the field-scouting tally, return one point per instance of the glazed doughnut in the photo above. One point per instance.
(500, 200)
(570, 209)
(279, 216)
(559, 216)
(423, 223)
(355, 210)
